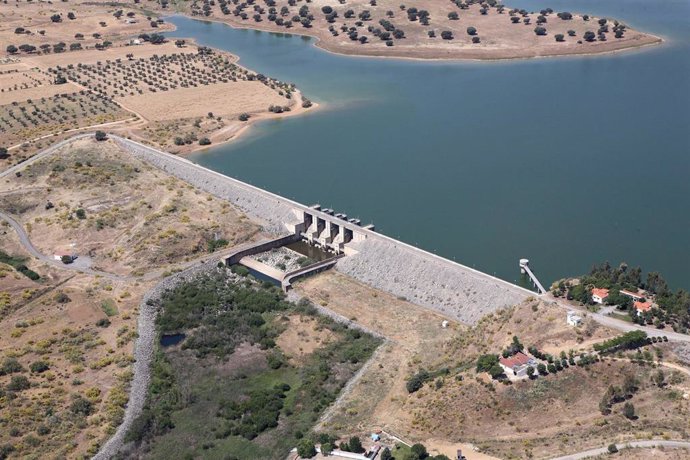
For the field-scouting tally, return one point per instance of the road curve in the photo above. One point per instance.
(604, 450)
(44, 153)
(621, 325)
(28, 245)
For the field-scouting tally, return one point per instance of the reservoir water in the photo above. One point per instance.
(565, 161)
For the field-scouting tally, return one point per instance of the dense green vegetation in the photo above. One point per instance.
(628, 341)
(673, 306)
(18, 264)
(264, 405)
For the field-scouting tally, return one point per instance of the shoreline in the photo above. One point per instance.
(655, 40)
(295, 110)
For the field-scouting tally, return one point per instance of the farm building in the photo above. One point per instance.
(517, 364)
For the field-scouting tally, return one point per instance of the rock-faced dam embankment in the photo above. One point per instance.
(382, 262)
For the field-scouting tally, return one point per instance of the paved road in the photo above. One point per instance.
(619, 324)
(604, 450)
(28, 245)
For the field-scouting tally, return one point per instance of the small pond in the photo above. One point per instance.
(168, 340)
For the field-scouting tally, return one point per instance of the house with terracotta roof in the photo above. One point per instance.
(642, 307)
(517, 364)
(599, 295)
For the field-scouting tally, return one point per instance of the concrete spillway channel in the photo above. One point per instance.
(243, 256)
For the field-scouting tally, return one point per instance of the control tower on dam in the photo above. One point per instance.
(370, 257)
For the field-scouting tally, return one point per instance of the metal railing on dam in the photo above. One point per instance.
(378, 260)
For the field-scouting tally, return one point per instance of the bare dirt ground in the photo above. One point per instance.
(499, 37)
(145, 220)
(540, 418)
(302, 336)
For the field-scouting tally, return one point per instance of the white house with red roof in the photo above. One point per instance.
(642, 307)
(599, 295)
(517, 364)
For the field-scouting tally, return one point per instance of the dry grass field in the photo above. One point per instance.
(392, 28)
(528, 419)
(126, 216)
(63, 379)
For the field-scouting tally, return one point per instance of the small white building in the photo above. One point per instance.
(573, 319)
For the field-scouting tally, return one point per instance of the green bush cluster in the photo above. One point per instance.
(18, 264)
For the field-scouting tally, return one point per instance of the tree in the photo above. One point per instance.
(386, 454)
(418, 452)
(204, 141)
(12, 49)
(471, 31)
(56, 18)
(38, 367)
(81, 405)
(540, 30)
(496, 371)
(3, 153)
(453, 16)
(530, 372)
(612, 449)
(355, 445)
(589, 36)
(71, 16)
(559, 37)
(486, 362)
(179, 43)
(10, 366)
(156, 39)
(475, 39)
(630, 384)
(306, 448)
(447, 35)
(541, 368)
(18, 383)
(629, 410)
(100, 136)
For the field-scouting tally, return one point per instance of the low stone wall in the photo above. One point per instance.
(144, 347)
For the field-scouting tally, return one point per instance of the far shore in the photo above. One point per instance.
(642, 40)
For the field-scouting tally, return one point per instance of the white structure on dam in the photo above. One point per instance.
(372, 258)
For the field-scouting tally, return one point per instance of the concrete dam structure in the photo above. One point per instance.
(370, 257)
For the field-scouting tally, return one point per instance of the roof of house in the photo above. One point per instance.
(632, 294)
(600, 292)
(643, 306)
(518, 359)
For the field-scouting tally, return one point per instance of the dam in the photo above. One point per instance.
(368, 256)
